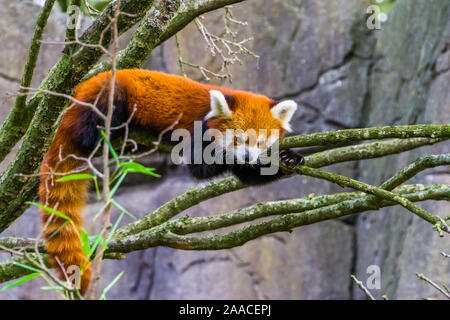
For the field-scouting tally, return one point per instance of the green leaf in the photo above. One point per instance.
(84, 238)
(25, 266)
(100, 5)
(118, 183)
(97, 240)
(77, 176)
(103, 296)
(52, 288)
(113, 152)
(55, 212)
(114, 228)
(133, 167)
(18, 282)
(97, 189)
(59, 229)
(122, 209)
(89, 8)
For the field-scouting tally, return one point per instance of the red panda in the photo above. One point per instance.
(160, 100)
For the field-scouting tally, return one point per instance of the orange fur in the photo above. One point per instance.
(69, 198)
(159, 98)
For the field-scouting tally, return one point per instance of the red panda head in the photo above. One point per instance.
(254, 121)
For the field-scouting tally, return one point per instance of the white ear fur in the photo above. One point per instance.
(219, 106)
(284, 112)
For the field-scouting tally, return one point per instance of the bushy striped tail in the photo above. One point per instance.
(78, 134)
(63, 242)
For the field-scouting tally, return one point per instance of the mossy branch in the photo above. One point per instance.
(364, 187)
(307, 205)
(286, 222)
(186, 225)
(351, 135)
(230, 184)
(289, 214)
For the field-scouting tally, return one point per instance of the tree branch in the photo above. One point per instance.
(413, 169)
(364, 187)
(299, 212)
(367, 151)
(164, 235)
(349, 135)
(230, 184)
(291, 214)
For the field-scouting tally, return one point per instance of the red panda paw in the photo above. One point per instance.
(291, 159)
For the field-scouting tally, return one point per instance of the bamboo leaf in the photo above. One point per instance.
(59, 229)
(97, 189)
(18, 282)
(97, 240)
(76, 176)
(52, 288)
(118, 183)
(133, 167)
(114, 228)
(84, 238)
(53, 211)
(117, 205)
(25, 266)
(111, 149)
(103, 296)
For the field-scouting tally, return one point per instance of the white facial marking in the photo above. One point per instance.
(219, 105)
(284, 112)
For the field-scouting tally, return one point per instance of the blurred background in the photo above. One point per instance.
(342, 74)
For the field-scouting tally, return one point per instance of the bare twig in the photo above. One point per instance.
(106, 215)
(362, 287)
(155, 143)
(225, 46)
(445, 292)
(91, 106)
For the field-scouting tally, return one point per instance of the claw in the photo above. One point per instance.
(291, 158)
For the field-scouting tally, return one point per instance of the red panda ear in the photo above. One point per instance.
(219, 105)
(284, 112)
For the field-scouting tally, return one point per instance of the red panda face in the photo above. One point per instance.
(249, 124)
